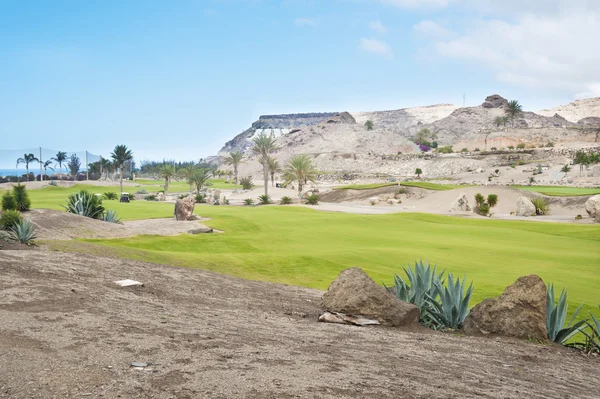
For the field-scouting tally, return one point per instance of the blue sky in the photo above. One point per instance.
(176, 79)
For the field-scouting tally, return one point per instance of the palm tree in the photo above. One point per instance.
(187, 172)
(27, 159)
(167, 172)
(120, 155)
(105, 166)
(59, 159)
(46, 165)
(263, 146)
(235, 159)
(274, 167)
(199, 178)
(300, 169)
(514, 110)
(566, 169)
(582, 160)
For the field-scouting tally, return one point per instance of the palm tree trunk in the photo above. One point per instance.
(235, 173)
(60, 171)
(166, 185)
(272, 179)
(300, 190)
(121, 178)
(266, 177)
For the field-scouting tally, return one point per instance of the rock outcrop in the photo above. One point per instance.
(525, 207)
(592, 206)
(356, 293)
(495, 101)
(519, 312)
(184, 208)
(461, 204)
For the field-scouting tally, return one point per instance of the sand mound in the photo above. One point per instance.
(57, 225)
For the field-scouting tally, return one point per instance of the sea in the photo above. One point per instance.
(34, 170)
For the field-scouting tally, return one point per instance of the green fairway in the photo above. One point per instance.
(180, 185)
(433, 186)
(365, 186)
(560, 191)
(306, 247)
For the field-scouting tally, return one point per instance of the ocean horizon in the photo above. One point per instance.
(34, 170)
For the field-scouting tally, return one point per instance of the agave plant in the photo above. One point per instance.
(453, 306)
(248, 201)
(85, 204)
(111, 217)
(422, 286)
(23, 232)
(556, 315)
(264, 199)
(285, 200)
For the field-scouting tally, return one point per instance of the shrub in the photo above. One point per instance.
(285, 200)
(247, 183)
(464, 150)
(493, 149)
(264, 199)
(541, 206)
(424, 147)
(476, 150)
(312, 199)
(182, 196)
(21, 198)
(521, 163)
(578, 217)
(511, 147)
(248, 201)
(110, 195)
(200, 199)
(9, 219)
(373, 202)
(479, 199)
(8, 202)
(497, 171)
(53, 183)
(23, 232)
(111, 217)
(151, 197)
(550, 144)
(556, 315)
(492, 200)
(142, 191)
(445, 149)
(85, 204)
(520, 146)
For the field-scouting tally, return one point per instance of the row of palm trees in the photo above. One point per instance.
(299, 168)
(59, 159)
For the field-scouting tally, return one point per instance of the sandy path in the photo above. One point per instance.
(67, 330)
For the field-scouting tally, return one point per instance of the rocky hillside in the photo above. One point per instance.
(576, 111)
(340, 141)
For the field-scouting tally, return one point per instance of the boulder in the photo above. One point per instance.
(461, 204)
(592, 206)
(356, 293)
(519, 312)
(495, 101)
(525, 207)
(184, 208)
(201, 230)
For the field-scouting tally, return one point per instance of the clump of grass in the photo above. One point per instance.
(110, 195)
(247, 183)
(285, 200)
(248, 201)
(541, 206)
(312, 199)
(200, 199)
(264, 199)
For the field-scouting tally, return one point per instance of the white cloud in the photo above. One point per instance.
(549, 51)
(304, 22)
(377, 26)
(418, 3)
(431, 29)
(375, 46)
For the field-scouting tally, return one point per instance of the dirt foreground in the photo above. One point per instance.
(67, 330)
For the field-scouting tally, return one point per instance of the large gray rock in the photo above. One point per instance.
(519, 312)
(525, 207)
(461, 204)
(356, 293)
(184, 208)
(592, 206)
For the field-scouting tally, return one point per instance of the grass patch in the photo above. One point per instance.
(365, 186)
(555, 191)
(309, 248)
(433, 186)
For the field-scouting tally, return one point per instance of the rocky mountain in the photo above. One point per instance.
(576, 111)
(341, 142)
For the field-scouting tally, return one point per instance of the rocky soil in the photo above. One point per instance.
(67, 330)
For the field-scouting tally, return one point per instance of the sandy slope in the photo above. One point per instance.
(66, 330)
(576, 110)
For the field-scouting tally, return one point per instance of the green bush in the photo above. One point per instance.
(578, 217)
(247, 183)
(111, 217)
(511, 147)
(447, 149)
(8, 202)
(85, 204)
(285, 200)
(521, 163)
(23, 232)
(492, 200)
(541, 206)
(21, 198)
(264, 199)
(483, 209)
(493, 149)
(312, 199)
(200, 199)
(521, 146)
(110, 195)
(464, 150)
(479, 199)
(9, 219)
(142, 191)
(476, 150)
(248, 201)
(151, 197)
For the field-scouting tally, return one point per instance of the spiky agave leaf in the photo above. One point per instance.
(111, 217)
(85, 204)
(453, 305)
(23, 232)
(556, 316)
